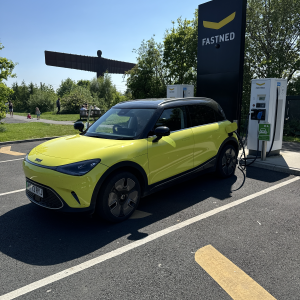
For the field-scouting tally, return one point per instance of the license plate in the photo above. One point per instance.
(34, 189)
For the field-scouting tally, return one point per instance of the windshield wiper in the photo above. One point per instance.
(126, 138)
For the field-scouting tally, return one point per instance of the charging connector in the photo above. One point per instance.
(243, 156)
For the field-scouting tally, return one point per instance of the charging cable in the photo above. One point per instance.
(275, 123)
(243, 157)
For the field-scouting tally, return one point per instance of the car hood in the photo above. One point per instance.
(76, 148)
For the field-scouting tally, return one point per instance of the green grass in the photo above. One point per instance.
(291, 139)
(54, 116)
(23, 131)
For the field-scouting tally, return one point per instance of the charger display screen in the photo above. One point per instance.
(261, 98)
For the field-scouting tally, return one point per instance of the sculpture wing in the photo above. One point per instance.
(86, 63)
(71, 61)
(116, 67)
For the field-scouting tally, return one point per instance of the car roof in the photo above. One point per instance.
(165, 102)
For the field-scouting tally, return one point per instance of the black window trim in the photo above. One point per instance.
(202, 104)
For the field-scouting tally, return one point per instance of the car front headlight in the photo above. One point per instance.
(79, 168)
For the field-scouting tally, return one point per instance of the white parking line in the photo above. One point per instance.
(3, 161)
(90, 263)
(16, 191)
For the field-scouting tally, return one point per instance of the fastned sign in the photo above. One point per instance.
(221, 42)
(222, 37)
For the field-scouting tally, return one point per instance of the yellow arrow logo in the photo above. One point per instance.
(6, 150)
(171, 89)
(260, 84)
(213, 25)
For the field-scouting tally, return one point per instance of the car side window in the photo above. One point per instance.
(174, 118)
(201, 115)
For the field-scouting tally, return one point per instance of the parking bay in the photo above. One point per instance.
(259, 236)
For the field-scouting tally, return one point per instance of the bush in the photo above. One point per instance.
(292, 128)
(72, 102)
(44, 100)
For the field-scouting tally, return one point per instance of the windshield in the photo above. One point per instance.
(121, 123)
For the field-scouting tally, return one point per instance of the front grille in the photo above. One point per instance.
(50, 198)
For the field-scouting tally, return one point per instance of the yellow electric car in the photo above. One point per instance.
(134, 149)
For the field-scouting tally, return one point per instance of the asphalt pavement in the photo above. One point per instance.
(260, 236)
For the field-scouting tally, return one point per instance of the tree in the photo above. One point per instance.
(273, 35)
(294, 87)
(84, 83)
(172, 62)
(148, 78)
(6, 67)
(22, 94)
(128, 94)
(105, 92)
(180, 51)
(5, 93)
(6, 71)
(78, 96)
(65, 87)
(272, 42)
(20, 97)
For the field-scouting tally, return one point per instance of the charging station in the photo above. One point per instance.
(180, 91)
(267, 106)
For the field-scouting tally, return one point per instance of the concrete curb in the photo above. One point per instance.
(31, 140)
(272, 167)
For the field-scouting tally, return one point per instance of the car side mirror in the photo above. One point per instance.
(160, 132)
(79, 126)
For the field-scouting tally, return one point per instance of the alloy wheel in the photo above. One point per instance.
(229, 161)
(123, 197)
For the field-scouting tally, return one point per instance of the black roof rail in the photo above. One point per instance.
(188, 98)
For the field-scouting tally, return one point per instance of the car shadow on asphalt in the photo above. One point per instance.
(37, 236)
(265, 175)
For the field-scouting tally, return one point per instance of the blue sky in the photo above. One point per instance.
(29, 27)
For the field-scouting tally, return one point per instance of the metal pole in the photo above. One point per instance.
(88, 120)
(264, 150)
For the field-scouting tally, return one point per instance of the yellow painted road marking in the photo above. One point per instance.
(214, 25)
(231, 278)
(6, 150)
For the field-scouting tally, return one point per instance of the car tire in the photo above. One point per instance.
(119, 197)
(227, 161)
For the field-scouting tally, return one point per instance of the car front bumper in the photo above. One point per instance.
(61, 191)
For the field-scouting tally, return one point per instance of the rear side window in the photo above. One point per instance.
(174, 118)
(201, 115)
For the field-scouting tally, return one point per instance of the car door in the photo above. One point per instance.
(206, 132)
(172, 154)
